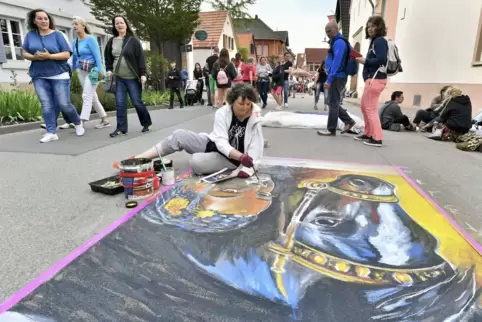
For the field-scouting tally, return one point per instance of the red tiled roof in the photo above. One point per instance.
(212, 22)
(316, 55)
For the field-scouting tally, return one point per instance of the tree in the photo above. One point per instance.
(244, 53)
(237, 8)
(158, 21)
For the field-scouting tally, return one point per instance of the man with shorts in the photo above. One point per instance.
(211, 82)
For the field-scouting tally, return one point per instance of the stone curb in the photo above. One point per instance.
(9, 129)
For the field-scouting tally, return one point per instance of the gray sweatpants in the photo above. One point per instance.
(202, 163)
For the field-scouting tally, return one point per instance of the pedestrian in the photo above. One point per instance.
(224, 73)
(236, 139)
(198, 75)
(263, 70)
(126, 66)
(210, 81)
(174, 83)
(320, 80)
(287, 65)
(49, 53)
(239, 64)
(375, 80)
(277, 81)
(336, 80)
(86, 59)
(249, 72)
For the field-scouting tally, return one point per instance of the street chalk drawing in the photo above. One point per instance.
(308, 241)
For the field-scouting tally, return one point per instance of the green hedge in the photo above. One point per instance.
(17, 106)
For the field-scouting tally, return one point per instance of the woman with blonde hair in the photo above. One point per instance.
(455, 115)
(90, 70)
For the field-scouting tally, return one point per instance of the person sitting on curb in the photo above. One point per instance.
(236, 140)
(391, 115)
(428, 115)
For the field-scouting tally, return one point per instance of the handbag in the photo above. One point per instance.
(84, 65)
(110, 82)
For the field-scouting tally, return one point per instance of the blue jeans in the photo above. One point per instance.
(54, 96)
(286, 90)
(263, 88)
(319, 89)
(134, 88)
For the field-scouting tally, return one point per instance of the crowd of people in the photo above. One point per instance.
(53, 60)
(222, 72)
(449, 117)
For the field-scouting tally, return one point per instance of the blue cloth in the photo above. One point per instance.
(336, 59)
(185, 74)
(135, 92)
(89, 50)
(54, 97)
(54, 43)
(377, 56)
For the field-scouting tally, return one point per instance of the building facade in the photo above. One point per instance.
(268, 42)
(436, 55)
(13, 16)
(220, 32)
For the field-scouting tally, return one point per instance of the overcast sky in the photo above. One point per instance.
(305, 20)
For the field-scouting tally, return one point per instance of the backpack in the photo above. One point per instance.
(222, 77)
(394, 63)
(351, 66)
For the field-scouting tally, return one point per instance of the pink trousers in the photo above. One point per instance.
(369, 107)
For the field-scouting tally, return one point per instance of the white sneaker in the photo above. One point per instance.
(67, 126)
(279, 108)
(102, 124)
(286, 105)
(48, 137)
(79, 130)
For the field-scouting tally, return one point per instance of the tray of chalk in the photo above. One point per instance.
(109, 186)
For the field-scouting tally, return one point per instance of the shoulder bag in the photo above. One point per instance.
(110, 82)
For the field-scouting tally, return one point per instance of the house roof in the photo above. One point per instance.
(257, 27)
(343, 14)
(212, 22)
(299, 60)
(283, 35)
(316, 55)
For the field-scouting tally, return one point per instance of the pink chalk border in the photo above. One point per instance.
(49, 273)
(452, 221)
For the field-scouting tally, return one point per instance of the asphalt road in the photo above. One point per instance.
(47, 208)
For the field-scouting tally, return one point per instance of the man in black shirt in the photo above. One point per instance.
(210, 81)
(287, 65)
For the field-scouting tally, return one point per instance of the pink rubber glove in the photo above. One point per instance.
(243, 174)
(246, 161)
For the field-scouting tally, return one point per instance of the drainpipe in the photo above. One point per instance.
(373, 7)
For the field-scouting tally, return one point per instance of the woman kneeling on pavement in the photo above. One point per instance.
(236, 139)
(456, 121)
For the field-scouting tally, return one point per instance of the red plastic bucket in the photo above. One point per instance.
(138, 178)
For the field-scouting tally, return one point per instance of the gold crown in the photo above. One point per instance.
(348, 271)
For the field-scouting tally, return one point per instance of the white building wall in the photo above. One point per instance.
(360, 11)
(441, 49)
(200, 56)
(62, 12)
(228, 31)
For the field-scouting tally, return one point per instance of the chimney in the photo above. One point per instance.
(256, 17)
